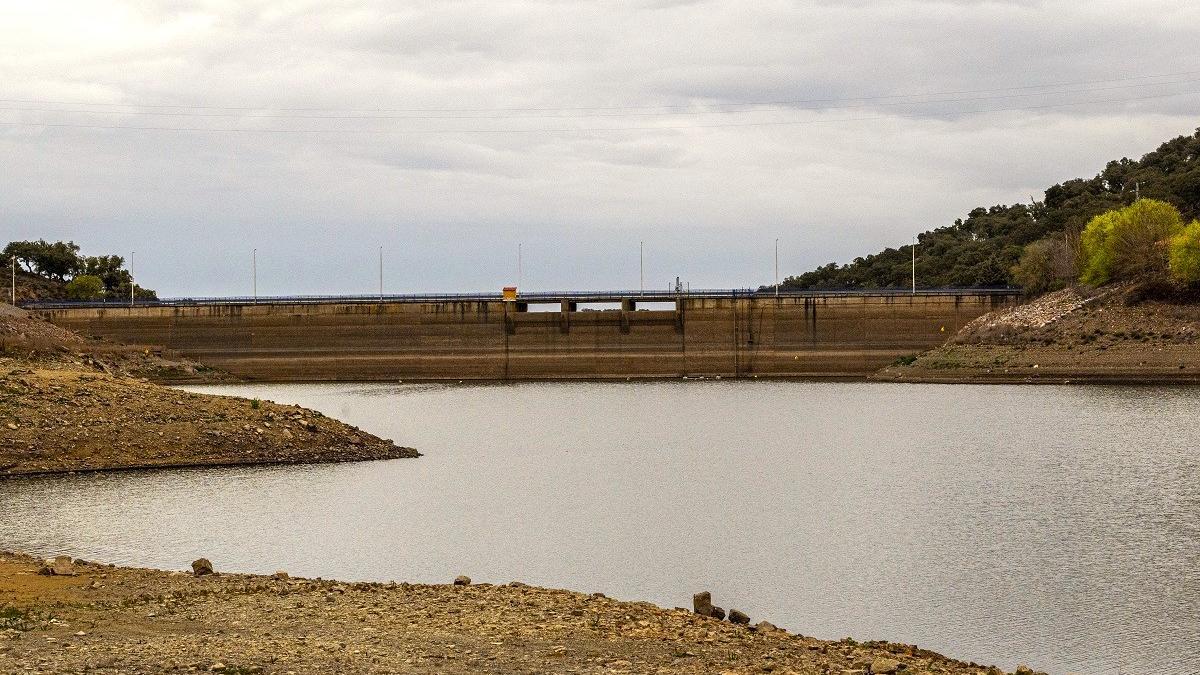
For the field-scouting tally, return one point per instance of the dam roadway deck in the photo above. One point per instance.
(622, 334)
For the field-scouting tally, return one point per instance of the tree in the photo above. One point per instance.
(109, 268)
(121, 292)
(85, 287)
(1128, 243)
(1046, 265)
(59, 260)
(1185, 254)
(985, 247)
(26, 253)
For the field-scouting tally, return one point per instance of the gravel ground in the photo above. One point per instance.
(120, 620)
(62, 419)
(69, 404)
(1073, 335)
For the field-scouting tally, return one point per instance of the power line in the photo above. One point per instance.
(575, 129)
(596, 115)
(786, 102)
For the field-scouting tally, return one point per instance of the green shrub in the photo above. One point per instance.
(1045, 265)
(1128, 243)
(85, 287)
(15, 619)
(1185, 254)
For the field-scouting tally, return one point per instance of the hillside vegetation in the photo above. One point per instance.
(984, 249)
(57, 271)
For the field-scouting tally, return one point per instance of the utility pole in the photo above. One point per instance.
(642, 267)
(381, 274)
(132, 285)
(914, 266)
(254, 273)
(777, 267)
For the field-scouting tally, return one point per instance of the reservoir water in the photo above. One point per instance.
(1055, 526)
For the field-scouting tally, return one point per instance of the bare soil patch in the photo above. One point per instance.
(70, 404)
(1110, 334)
(121, 620)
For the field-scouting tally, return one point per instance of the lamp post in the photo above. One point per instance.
(381, 274)
(914, 266)
(777, 267)
(132, 284)
(642, 267)
(254, 274)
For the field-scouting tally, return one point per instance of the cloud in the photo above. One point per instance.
(448, 131)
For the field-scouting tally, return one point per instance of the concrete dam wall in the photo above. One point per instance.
(833, 335)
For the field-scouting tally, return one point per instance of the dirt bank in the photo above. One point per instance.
(121, 620)
(34, 341)
(1107, 335)
(68, 404)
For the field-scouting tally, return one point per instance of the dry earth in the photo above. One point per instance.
(69, 404)
(120, 620)
(62, 419)
(33, 341)
(1072, 335)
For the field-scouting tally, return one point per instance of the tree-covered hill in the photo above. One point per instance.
(56, 271)
(980, 250)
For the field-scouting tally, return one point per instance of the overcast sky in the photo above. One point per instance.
(192, 132)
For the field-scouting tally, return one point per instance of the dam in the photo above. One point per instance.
(540, 336)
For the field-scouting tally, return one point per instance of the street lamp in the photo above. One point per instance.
(914, 266)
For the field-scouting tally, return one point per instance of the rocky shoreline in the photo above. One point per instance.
(61, 419)
(1108, 335)
(72, 405)
(73, 616)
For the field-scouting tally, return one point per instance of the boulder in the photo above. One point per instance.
(884, 665)
(64, 566)
(280, 575)
(202, 567)
(738, 617)
(765, 627)
(60, 566)
(1024, 670)
(462, 580)
(718, 613)
(702, 603)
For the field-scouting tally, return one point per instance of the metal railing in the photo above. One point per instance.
(524, 297)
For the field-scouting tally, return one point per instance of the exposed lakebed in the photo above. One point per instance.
(1058, 526)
